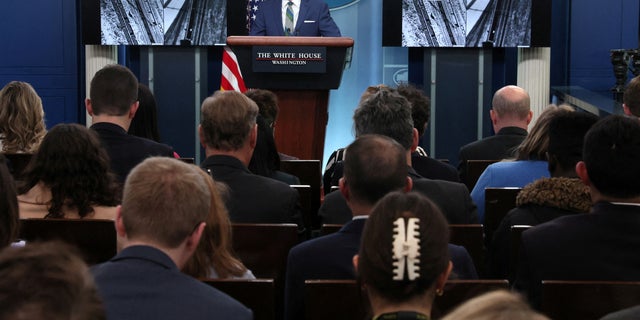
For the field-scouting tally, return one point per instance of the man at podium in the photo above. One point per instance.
(303, 18)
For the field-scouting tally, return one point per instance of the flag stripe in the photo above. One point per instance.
(231, 76)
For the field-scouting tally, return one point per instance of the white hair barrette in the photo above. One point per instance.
(406, 248)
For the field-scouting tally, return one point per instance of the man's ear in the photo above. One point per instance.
(355, 262)
(253, 136)
(626, 110)
(133, 109)
(494, 116)
(529, 117)
(415, 140)
(194, 237)
(203, 140)
(120, 229)
(581, 171)
(342, 185)
(87, 104)
(409, 185)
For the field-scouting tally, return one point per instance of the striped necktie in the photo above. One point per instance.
(288, 21)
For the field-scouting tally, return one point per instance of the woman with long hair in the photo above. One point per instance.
(22, 125)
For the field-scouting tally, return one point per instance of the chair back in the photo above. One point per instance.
(470, 236)
(514, 248)
(329, 228)
(497, 203)
(475, 168)
(306, 203)
(95, 238)
(587, 299)
(257, 295)
(309, 173)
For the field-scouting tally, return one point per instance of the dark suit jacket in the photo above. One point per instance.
(314, 20)
(434, 169)
(142, 282)
(331, 256)
(253, 198)
(601, 245)
(452, 198)
(125, 150)
(497, 147)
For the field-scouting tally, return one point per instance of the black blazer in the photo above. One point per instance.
(434, 169)
(253, 198)
(125, 150)
(601, 245)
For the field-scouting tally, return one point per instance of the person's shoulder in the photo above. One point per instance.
(313, 246)
(153, 145)
(419, 184)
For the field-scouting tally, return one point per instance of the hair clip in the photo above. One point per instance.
(406, 248)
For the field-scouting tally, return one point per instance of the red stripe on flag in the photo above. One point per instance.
(231, 76)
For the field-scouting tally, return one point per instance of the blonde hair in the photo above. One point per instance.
(214, 250)
(495, 305)
(535, 145)
(21, 118)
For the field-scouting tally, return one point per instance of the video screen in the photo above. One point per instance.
(467, 23)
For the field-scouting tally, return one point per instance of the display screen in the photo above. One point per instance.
(466, 23)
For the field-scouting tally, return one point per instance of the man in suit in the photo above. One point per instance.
(600, 245)
(631, 98)
(159, 224)
(112, 104)
(510, 116)
(228, 132)
(374, 166)
(311, 18)
(387, 113)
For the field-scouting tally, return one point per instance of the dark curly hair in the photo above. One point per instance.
(420, 106)
(73, 164)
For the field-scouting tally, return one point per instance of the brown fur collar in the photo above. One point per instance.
(564, 193)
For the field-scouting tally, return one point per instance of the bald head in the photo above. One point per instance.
(511, 106)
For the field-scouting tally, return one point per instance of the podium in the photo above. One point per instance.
(300, 71)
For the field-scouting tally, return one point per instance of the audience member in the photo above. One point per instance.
(145, 122)
(601, 245)
(624, 314)
(228, 132)
(267, 102)
(21, 118)
(47, 281)
(162, 218)
(631, 98)
(495, 305)
(530, 162)
(265, 160)
(389, 114)
(9, 214)
(374, 165)
(69, 177)
(403, 262)
(214, 257)
(427, 167)
(112, 104)
(510, 116)
(548, 198)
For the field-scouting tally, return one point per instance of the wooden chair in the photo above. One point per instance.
(470, 236)
(258, 295)
(306, 204)
(475, 168)
(95, 239)
(497, 203)
(587, 299)
(309, 173)
(188, 160)
(17, 163)
(343, 299)
(514, 248)
(329, 228)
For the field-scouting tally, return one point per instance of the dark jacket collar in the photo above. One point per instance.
(108, 126)
(354, 226)
(148, 253)
(226, 161)
(512, 131)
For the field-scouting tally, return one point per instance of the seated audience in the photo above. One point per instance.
(47, 281)
(374, 165)
(214, 257)
(160, 223)
(499, 304)
(631, 98)
(9, 215)
(69, 177)
(530, 162)
(21, 118)
(601, 245)
(228, 132)
(112, 104)
(265, 160)
(510, 116)
(548, 198)
(387, 113)
(403, 261)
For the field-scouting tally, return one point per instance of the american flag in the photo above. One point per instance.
(252, 7)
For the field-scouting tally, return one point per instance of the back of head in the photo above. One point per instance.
(511, 102)
(47, 281)
(611, 154)
(420, 106)
(498, 305)
(566, 137)
(9, 215)
(164, 200)
(632, 96)
(21, 118)
(267, 102)
(374, 165)
(113, 90)
(386, 113)
(145, 122)
(226, 120)
(404, 247)
(535, 145)
(73, 164)
(265, 158)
